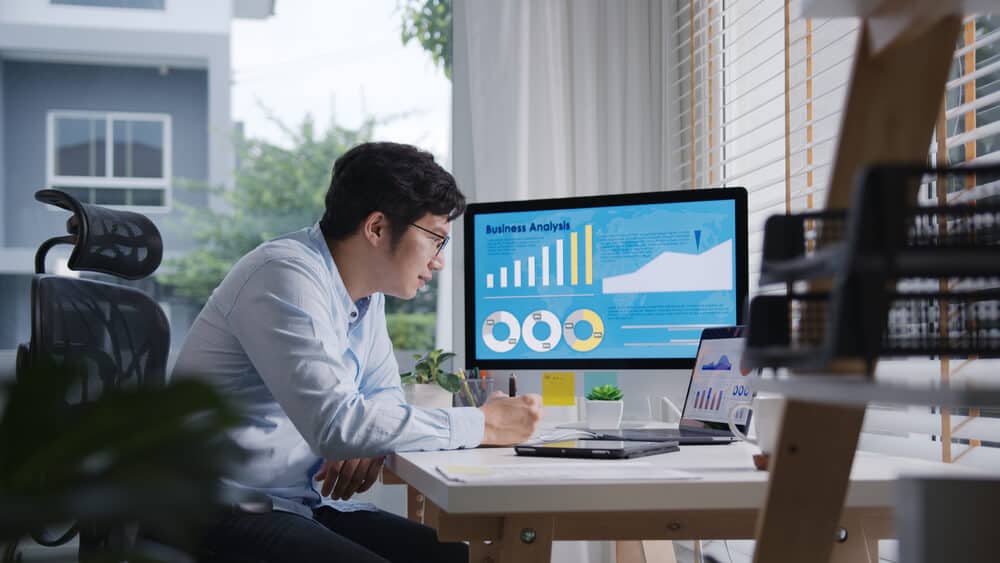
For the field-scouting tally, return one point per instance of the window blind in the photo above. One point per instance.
(761, 96)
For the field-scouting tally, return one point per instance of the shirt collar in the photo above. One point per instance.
(355, 309)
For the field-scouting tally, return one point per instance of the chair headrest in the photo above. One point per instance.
(120, 243)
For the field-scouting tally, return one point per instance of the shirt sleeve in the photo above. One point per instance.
(281, 317)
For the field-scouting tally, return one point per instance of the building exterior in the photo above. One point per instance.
(120, 102)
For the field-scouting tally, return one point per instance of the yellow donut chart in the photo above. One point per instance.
(596, 336)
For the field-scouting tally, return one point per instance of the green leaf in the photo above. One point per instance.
(605, 393)
(449, 381)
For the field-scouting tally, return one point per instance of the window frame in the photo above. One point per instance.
(97, 4)
(53, 181)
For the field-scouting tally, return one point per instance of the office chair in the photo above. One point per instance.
(110, 336)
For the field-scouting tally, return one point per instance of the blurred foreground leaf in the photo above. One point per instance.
(153, 455)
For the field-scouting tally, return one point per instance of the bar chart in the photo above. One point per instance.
(546, 266)
(708, 399)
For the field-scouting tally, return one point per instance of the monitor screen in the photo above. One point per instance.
(620, 281)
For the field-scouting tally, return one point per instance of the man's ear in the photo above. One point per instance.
(375, 228)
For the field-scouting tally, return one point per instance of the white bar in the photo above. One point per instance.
(531, 271)
(895, 421)
(545, 265)
(975, 134)
(503, 276)
(559, 262)
(517, 273)
(974, 105)
(489, 280)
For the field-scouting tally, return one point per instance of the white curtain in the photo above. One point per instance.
(563, 97)
(560, 98)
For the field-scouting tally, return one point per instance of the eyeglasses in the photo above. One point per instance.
(442, 239)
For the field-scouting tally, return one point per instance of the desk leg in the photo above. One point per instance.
(527, 539)
(645, 551)
(414, 505)
(863, 533)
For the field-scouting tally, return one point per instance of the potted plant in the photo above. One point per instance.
(429, 385)
(604, 407)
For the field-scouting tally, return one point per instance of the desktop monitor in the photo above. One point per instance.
(617, 281)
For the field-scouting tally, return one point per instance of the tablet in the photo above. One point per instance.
(596, 449)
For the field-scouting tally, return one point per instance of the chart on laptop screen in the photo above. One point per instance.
(626, 281)
(718, 382)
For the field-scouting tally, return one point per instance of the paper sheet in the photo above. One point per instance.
(611, 470)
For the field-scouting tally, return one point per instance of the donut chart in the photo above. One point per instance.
(510, 321)
(545, 317)
(596, 336)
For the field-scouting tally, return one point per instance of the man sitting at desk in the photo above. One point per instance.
(296, 333)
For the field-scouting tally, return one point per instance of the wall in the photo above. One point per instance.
(201, 16)
(31, 89)
(15, 305)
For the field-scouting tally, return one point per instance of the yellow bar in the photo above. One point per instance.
(573, 244)
(588, 248)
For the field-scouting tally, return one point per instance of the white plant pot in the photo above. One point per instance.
(604, 414)
(427, 395)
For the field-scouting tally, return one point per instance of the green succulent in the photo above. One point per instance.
(605, 393)
(429, 369)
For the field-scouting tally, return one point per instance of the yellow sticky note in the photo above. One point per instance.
(558, 389)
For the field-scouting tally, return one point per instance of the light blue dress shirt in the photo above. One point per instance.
(314, 371)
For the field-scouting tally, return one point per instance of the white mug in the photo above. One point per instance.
(767, 413)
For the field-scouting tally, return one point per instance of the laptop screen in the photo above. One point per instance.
(718, 382)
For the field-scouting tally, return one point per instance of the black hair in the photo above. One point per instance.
(401, 181)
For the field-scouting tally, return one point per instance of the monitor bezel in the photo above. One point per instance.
(736, 194)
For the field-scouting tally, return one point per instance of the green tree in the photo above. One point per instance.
(429, 23)
(277, 190)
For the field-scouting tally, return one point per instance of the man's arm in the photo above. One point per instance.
(281, 317)
(504, 422)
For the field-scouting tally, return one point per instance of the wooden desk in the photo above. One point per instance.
(520, 521)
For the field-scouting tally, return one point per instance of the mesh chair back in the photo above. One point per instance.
(112, 336)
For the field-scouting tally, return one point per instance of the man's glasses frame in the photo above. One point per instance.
(442, 238)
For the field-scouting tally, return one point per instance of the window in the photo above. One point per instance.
(113, 159)
(136, 4)
(762, 91)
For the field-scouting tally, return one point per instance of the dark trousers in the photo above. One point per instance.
(333, 536)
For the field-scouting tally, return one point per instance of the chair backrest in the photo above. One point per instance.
(110, 336)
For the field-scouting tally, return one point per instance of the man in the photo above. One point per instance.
(296, 333)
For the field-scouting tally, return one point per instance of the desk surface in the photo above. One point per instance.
(728, 481)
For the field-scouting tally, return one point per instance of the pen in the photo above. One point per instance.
(512, 386)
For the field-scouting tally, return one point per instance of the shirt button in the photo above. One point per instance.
(354, 314)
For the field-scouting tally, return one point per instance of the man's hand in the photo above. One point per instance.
(511, 420)
(345, 477)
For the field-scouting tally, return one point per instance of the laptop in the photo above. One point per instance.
(717, 383)
(596, 449)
